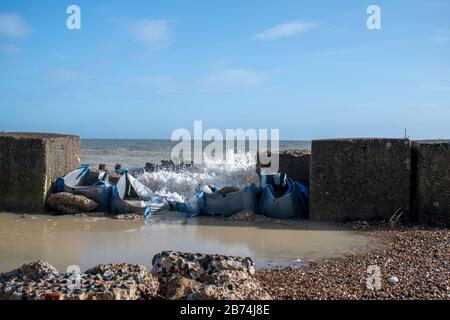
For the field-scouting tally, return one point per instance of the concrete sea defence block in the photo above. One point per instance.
(359, 179)
(30, 163)
(295, 163)
(431, 160)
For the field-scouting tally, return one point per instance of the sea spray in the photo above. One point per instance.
(236, 170)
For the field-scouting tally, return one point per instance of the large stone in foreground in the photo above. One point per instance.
(29, 164)
(167, 264)
(431, 161)
(196, 276)
(41, 281)
(359, 179)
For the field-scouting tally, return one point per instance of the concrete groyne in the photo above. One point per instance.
(359, 179)
(30, 163)
(431, 181)
(373, 179)
(349, 179)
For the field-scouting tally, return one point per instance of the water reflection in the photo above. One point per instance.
(67, 240)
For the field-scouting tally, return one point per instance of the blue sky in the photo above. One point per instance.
(140, 69)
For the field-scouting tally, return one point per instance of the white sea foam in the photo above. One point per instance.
(236, 170)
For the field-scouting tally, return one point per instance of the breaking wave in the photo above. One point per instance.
(236, 170)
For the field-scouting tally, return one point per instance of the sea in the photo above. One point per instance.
(236, 169)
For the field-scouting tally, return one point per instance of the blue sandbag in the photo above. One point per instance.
(193, 207)
(291, 204)
(92, 185)
(131, 196)
(227, 204)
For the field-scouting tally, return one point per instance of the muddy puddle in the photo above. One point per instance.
(88, 241)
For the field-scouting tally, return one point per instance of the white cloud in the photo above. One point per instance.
(12, 25)
(231, 79)
(285, 30)
(441, 36)
(155, 34)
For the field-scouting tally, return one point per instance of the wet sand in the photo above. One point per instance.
(88, 241)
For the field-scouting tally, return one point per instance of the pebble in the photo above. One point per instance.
(417, 255)
(392, 280)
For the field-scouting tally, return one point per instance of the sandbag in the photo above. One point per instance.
(192, 207)
(131, 196)
(290, 204)
(87, 183)
(227, 204)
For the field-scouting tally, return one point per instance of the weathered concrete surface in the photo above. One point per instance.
(353, 179)
(29, 164)
(295, 163)
(431, 161)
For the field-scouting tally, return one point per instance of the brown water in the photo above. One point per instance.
(67, 240)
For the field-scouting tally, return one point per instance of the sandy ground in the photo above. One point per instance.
(414, 264)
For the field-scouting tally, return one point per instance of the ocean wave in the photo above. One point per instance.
(236, 170)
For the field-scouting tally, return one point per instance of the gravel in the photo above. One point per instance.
(413, 264)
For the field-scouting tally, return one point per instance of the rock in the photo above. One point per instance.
(230, 285)
(129, 216)
(202, 276)
(81, 215)
(253, 217)
(178, 288)
(69, 203)
(137, 276)
(40, 270)
(222, 285)
(168, 264)
(41, 281)
(182, 276)
(392, 280)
